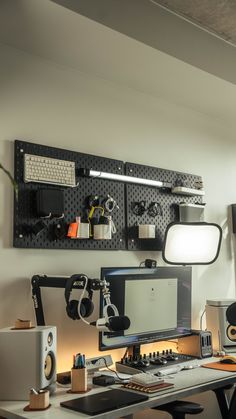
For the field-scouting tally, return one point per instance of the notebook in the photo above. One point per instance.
(104, 401)
(149, 390)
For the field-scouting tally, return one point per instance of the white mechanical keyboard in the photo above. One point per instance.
(145, 379)
(170, 370)
(47, 170)
(176, 369)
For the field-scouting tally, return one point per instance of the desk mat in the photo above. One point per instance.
(222, 367)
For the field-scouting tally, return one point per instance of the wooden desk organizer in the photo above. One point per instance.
(78, 380)
(39, 401)
(23, 324)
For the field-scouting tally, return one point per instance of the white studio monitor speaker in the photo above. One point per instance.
(223, 333)
(27, 360)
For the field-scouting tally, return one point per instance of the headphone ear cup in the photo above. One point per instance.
(72, 309)
(86, 307)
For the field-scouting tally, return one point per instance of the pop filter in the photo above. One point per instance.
(231, 314)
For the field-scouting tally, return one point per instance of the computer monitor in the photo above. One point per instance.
(157, 302)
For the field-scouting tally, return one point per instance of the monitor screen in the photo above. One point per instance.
(157, 302)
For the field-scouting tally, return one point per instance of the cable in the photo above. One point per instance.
(126, 351)
(92, 201)
(201, 319)
(110, 369)
(138, 208)
(155, 209)
(81, 297)
(110, 204)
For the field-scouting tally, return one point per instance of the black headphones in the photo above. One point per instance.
(86, 306)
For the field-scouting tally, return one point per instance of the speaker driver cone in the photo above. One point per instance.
(231, 332)
(49, 365)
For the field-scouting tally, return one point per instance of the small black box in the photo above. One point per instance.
(50, 202)
(64, 377)
(103, 380)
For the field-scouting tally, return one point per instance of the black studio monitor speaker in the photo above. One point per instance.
(27, 359)
(233, 206)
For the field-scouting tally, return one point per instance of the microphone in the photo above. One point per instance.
(231, 314)
(111, 320)
(117, 323)
(112, 324)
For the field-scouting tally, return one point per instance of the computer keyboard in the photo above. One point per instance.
(48, 170)
(170, 370)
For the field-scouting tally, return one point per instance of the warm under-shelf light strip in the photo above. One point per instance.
(123, 178)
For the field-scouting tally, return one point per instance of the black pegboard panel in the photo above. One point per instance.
(167, 200)
(24, 209)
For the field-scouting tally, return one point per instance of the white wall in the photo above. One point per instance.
(57, 106)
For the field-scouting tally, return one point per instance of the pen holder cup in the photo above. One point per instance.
(83, 231)
(78, 379)
(146, 231)
(39, 401)
(102, 232)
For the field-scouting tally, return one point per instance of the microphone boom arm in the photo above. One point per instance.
(45, 281)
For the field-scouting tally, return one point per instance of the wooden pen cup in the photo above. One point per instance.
(79, 379)
(39, 401)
